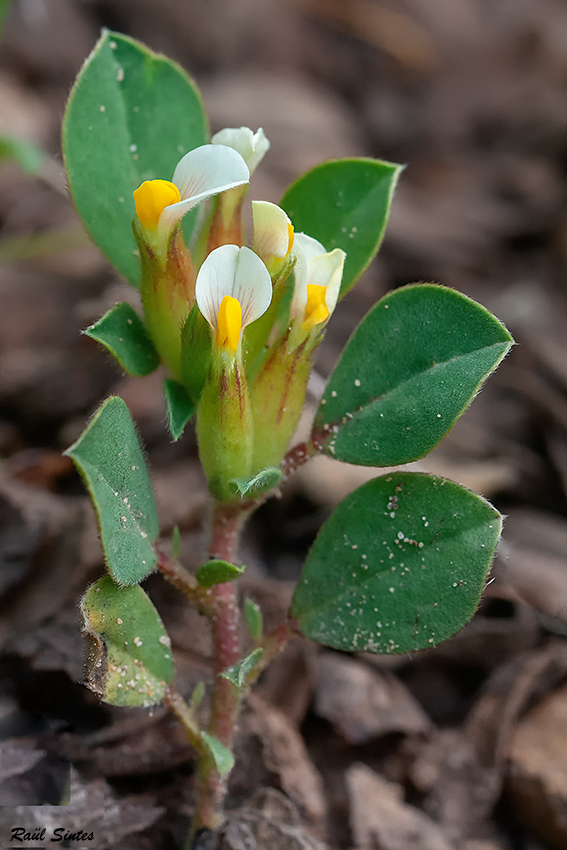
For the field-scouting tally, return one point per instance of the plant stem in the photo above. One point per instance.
(178, 576)
(177, 705)
(272, 644)
(227, 523)
(296, 457)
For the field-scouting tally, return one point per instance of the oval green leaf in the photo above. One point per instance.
(131, 116)
(345, 204)
(239, 673)
(254, 619)
(221, 755)
(399, 565)
(109, 457)
(129, 653)
(216, 571)
(124, 335)
(408, 372)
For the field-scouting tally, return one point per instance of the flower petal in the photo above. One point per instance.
(315, 266)
(208, 170)
(273, 231)
(251, 146)
(202, 173)
(327, 270)
(252, 286)
(238, 272)
(309, 246)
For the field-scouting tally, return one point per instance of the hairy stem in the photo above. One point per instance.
(296, 457)
(177, 705)
(227, 523)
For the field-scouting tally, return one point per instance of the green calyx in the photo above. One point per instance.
(224, 425)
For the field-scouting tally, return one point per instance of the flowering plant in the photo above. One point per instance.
(401, 563)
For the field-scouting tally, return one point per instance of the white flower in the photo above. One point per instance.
(201, 173)
(318, 276)
(251, 146)
(273, 234)
(233, 289)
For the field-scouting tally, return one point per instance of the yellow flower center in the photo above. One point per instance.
(151, 198)
(229, 323)
(316, 310)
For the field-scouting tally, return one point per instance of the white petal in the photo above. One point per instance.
(200, 174)
(299, 300)
(252, 286)
(209, 170)
(230, 270)
(310, 247)
(261, 146)
(239, 138)
(327, 270)
(251, 146)
(271, 230)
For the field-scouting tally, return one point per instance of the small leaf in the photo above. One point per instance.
(197, 696)
(408, 372)
(175, 542)
(129, 660)
(398, 566)
(254, 620)
(239, 672)
(180, 408)
(196, 352)
(29, 157)
(131, 116)
(222, 757)
(111, 462)
(344, 204)
(124, 334)
(217, 572)
(262, 482)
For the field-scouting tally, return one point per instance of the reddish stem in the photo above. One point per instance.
(225, 700)
(296, 457)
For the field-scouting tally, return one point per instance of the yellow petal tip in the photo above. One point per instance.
(151, 198)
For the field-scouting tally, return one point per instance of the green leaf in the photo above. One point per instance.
(261, 482)
(124, 334)
(239, 672)
(254, 620)
(408, 372)
(197, 696)
(129, 660)
(398, 566)
(196, 352)
(221, 755)
(29, 157)
(180, 408)
(111, 462)
(131, 116)
(344, 204)
(216, 571)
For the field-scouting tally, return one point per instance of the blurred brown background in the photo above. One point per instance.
(472, 736)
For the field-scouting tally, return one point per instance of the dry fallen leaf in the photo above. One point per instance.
(363, 703)
(537, 773)
(380, 818)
